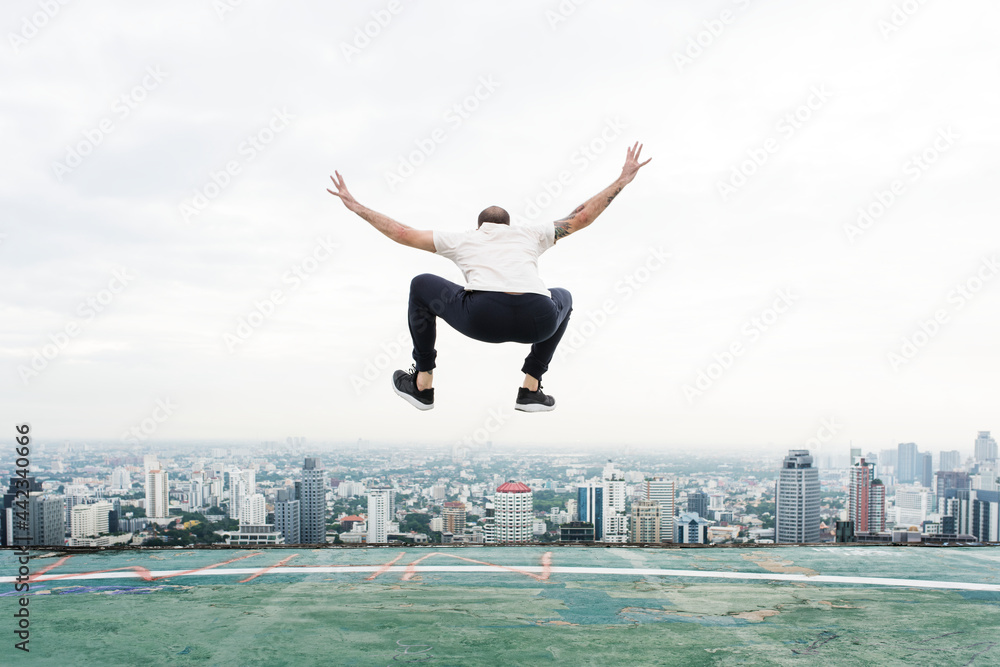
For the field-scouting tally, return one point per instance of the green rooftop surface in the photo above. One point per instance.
(836, 605)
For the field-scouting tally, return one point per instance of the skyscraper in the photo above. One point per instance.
(90, 520)
(513, 512)
(948, 480)
(985, 448)
(697, 503)
(380, 512)
(950, 460)
(26, 485)
(242, 484)
(876, 507)
(797, 499)
(453, 514)
(647, 521)
(157, 494)
(44, 523)
(859, 496)
(287, 516)
(906, 462)
(615, 519)
(661, 490)
(590, 507)
(925, 469)
(253, 512)
(312, 502)
(120, 479)
(866, 499)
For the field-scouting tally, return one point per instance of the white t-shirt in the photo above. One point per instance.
(498, 258)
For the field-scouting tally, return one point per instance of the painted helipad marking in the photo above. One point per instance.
(543, 572)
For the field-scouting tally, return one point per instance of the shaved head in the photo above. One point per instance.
(494, 214)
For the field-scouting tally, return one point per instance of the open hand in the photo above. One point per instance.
(342, 192)
(632, 163)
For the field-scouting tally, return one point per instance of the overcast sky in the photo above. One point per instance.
(171, 263)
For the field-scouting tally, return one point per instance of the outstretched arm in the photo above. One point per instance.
(414, 238)
(587, 212)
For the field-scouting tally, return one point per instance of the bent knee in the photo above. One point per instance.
(423, 281)
(562, 296)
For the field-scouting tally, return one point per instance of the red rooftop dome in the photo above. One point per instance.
(513, 487)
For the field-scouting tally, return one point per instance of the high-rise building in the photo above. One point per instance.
(254, 511)
(876, 507)
(985, 448)
(979, 514)
(17, 485)
(950, 460)
(615, 519)
(906, 463)
(576, 531)
(697, 503)
(590, 507)
(453, 514)
(912, 506)
(380, 512)
(647, 521)
(866, 504)
(858, 492)
(121, 480)
(661, 490)
(42, 523)
(242, 484)
(287, 516)
(925, 470)
(692, 529)
(513, 512)
(311, 493)
(91, 520)
(157, 494)
(948, 480)
(797, 499)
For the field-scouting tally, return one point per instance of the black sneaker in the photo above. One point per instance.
(534, 401)
(405, 384)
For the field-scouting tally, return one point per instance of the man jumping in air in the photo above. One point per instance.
(504, 299)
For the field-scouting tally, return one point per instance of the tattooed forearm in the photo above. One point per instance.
(614, 194)
(562, 228)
